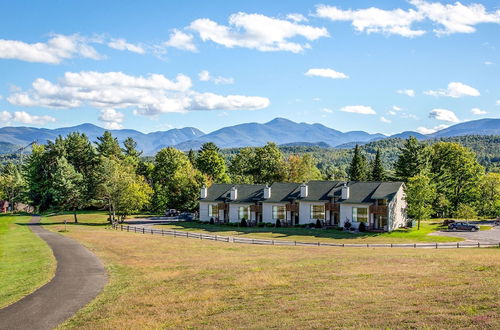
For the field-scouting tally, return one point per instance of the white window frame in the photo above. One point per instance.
(277, 214)
(355, 214)
(243, 209)
(312, 212)
(211, 210)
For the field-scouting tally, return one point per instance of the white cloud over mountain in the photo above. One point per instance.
(149, 95)
(326, 73)
(455, 90)
(25, 118)
(425, 130)
(477, 111)
(445, 115)
(258, 32)
(361, 109)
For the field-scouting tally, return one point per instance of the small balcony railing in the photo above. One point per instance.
(378, 209)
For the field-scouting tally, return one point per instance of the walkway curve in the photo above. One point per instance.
(79, 278)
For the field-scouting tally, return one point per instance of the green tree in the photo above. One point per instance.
(176, 182)
(488, 203)
(358, 169)
(12, 184)
(420, 193)
(301, 169)
(268, 165)
(37, 171)
(130, 149)
(67, 187)
(212, 164)
(192, 157)
(412, 159)
(456, 173)
(465, 212)
(378, 171)
(120, 190)
(241, 167)
(108, 146)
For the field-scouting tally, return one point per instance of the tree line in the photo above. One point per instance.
(73, 173)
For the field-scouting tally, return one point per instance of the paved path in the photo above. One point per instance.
(79, 278)
(483, 236)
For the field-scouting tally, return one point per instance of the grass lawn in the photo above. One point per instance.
(26, 261)
(160, 282)
(411, 235)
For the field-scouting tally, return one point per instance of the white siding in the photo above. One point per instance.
(397, 210)
(204, 211)
(346, 213)
(305, 212)
(233, 211)
(267, 211)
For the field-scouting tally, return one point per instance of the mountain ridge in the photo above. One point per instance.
(280, 130)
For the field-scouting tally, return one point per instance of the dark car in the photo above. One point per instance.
(463, 226)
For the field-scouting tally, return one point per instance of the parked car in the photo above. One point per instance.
(172, 213)
(463, 226)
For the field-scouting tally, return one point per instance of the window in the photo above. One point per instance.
(213, 210)
(359, 214)
(279, 212)
(317, 211)
(244, 212)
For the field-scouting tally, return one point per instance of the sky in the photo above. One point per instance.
(377, 66)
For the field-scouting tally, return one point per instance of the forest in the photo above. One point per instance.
(452, 177)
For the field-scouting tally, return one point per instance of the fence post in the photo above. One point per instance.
(151, 231)
(121, 227)
(436, 245)
(391, 244)
(342, 244)
(458, 245)
(414, 245)
(367, 245)
(478, 244)
(143, 230)
(128, 229)
(318, 243)
(273, 242)
(296, 243)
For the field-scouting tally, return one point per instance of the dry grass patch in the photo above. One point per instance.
(159, 282)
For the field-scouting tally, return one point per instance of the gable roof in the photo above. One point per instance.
(324, 191)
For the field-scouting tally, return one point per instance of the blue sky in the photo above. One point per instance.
(383, 66)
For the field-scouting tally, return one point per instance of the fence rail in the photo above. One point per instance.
(232, 239)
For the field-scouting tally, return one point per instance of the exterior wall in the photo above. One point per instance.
(204, 211)
(346, 214)
(305, 212)
(233, 211)
(267, 211)
(397, 211)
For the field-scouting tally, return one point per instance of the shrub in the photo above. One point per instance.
(362, 227)
(261, 224)
(243, 223)
(278, 223)
(212, 221)
(347, 225)
(269, 224)
(319, 224)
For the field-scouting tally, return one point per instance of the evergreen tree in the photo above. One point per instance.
(130, 148)
(412, 159)
(212, 164)
(192, 157)
(67, 187)
(108, 146)
(378, 171)
(358, 169)
(420, 192)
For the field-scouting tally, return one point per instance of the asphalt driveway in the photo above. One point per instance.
(482, 236)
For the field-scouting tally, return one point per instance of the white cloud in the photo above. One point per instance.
(408, 116)
(445, 115)
(112, 119)
(258, 32)
(498, 102)
(316, 99)
(56, 49)
(488, 63)
(5, 116)
(451, 18)
(385, 120)
(122, 44)
(326, 73)
(375, 20)
(456, 18)
(396, 108)
(204, 75)
(149, 95)
(455, 90)
(477, 111)
(181, 40)
(297, 17)
(408, 92)
(26, 118)
(425, 130)
(361, 109)
(327, 110)
(218, 80)
(392, 113)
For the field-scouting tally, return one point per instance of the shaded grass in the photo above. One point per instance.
(411, 235)
(160, 282)
(26, 261)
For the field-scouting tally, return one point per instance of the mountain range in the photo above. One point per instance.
(279, 130)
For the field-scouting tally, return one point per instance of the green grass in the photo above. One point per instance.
(411, 235)
(165, 282)
(26, 261)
